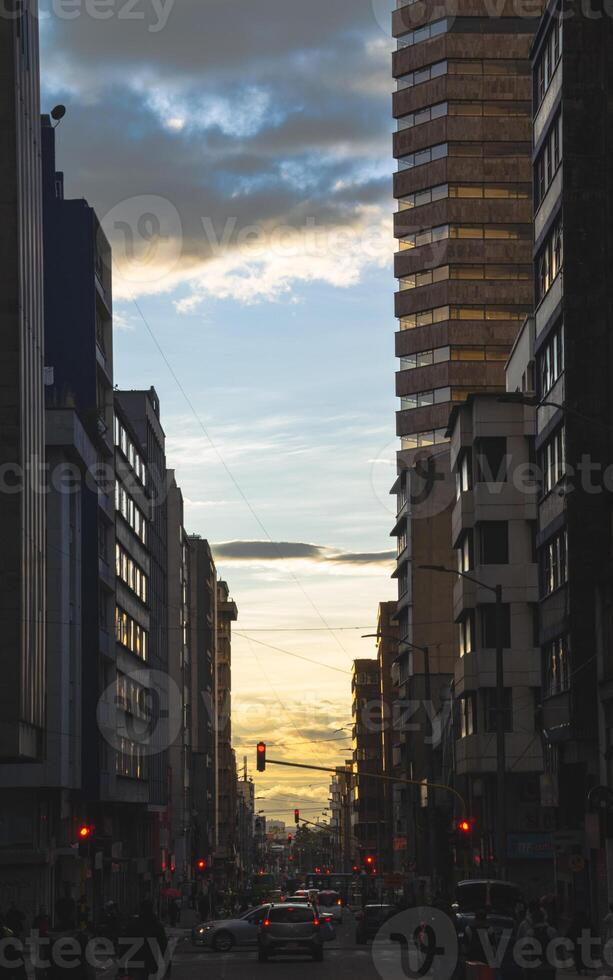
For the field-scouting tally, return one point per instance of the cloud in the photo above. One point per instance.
(283, 550)
(228, 119)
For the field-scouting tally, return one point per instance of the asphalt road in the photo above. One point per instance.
(342, 961)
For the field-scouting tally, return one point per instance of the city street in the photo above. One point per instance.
(343, 961)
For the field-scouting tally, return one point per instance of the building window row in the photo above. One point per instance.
(130, 760)
(432, 437)
(129, 450)
(548, 161)
(441, 354)
(133, 698)
(130, 511)
(494, 192)
(130, 634)
(557, 666)
(435, 396)
(439, 109)
(498, 273)
(427, 114)
(553, 461)
(550, 260)
(551, 360)
(439, 314)
(461, 232)
(554, 563)
(425, 74)
(548, 60)
(435, 29)
(131, 573)
(430, 153)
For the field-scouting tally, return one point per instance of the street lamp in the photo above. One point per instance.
(533, 401)
(500, 734)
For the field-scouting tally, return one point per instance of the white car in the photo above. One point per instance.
(223, 935)
(331, 903)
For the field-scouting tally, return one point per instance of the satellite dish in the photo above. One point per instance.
(58, 112)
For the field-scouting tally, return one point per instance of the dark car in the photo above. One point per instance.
(370, 920)
(499, 900)
(291, 928)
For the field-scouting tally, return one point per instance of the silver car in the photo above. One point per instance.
(223, 935)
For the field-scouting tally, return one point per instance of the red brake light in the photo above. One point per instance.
(266, 923)
(315, 922)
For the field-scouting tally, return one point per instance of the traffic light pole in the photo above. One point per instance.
(389, 779)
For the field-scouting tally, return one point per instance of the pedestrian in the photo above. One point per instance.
(14, 920)
(542, 933)
(579, 924)
(479, 939)
(204, 906)
(147, 961)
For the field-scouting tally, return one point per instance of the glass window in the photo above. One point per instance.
(491, 459)
(494, 542)
(490, 709)
(466, 633)
(488, 625)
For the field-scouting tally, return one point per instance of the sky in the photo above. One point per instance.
(238, 153)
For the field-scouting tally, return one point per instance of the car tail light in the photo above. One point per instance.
(266, 924)
(315, 922)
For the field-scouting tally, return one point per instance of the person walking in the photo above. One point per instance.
(147, 961)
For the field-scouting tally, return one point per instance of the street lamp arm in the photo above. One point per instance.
(389, 636)
(454, 571)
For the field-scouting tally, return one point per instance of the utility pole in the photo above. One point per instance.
(500, 737)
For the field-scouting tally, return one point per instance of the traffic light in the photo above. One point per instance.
(296, 816)
(200, 866)
(369, 862)
(464, 833)
(289, 838)
(85, 833)
(261, 756)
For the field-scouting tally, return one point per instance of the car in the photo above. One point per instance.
(292, 926)
(332, 904)
(223, 934)
(498, 898)
(370, 920)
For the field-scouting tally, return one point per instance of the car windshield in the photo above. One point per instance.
(328, 899)
(253, 911)
(377, 911)
(293, 913)
(476, 895)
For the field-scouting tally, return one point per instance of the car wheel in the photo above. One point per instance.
(223, 942)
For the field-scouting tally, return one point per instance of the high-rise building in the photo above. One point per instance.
(179, 670)
(573, 250)
(368, 812)
(494, 533)
(463, 224)
(227, 613)
(203, 640)
(22, 579)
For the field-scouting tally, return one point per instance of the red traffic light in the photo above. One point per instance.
(296, 816)
(369, 859)
(465, 826)
(201, 864)
(85, 832)
(261, 756)
(289, 838)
